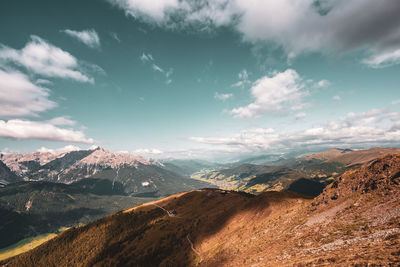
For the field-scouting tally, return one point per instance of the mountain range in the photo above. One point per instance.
(137, 176)
(355, 221)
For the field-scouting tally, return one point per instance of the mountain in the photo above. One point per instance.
(137, 175)
(32, 208)
(252, 178)
(359, 157)
(6, 175)
(325, 155)
(262, 159)
(22, 163)
(187, 167)
(355, 221)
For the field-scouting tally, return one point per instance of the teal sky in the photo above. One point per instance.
(210, 79)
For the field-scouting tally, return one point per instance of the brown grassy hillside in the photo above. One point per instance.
(355, 221)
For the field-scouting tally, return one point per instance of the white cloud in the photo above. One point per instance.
(43, 82)
(157, 68)
(115, 36)
(146, 58)
(300, 115)
(20, 97)
(60, 150)
(377, 127)
(243, 79)
(24, 129)
(274, 93)
(88, 37)
(385, 59)
(222, 97)
(295, 25)
(40, 57)
(322, 84)
(61, 121)
(336, 97)
(148, 151)
(395, 102)
(149, 59)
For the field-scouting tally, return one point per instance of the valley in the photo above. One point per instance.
(354, 221)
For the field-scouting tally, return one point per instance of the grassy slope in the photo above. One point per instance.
(355, 221)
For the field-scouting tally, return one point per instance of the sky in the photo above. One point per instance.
(207, 79)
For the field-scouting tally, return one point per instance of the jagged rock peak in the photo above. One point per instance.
(103, 157)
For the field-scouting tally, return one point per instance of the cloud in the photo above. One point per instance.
(243, 79)
(115, 36)
(43, 82)
(222, 97)
(383, 59)
(336, 97)
(60, 150)
(20, 97)
(322, 84)
(148, 152)
(376, 127)
(146, 58)
(300, 115)
(88, 37)
(297, 26)
(157, 68)
(395, 102)
(274, 93)
(24, 129)
(149, 59)
(61, 121)
(42, 58)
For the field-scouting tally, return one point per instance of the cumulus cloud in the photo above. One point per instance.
(24, 129)
(222, 97)
(20, 97)
(60, 150)
(377, 127)
(88, 37)
(295, 25)
(281, 90)
(43, 58)
(336, 97)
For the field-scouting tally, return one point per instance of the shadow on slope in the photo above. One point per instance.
(148, 235)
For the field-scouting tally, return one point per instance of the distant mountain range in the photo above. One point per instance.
(136, 175)
(40, 192)
(354, 222)
(315, 170)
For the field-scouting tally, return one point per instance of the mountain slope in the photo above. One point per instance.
(325, 155)
(359, 157)
(137, 175)
(7, 176)
(252, 178)
(355, 221)
(31, 208)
